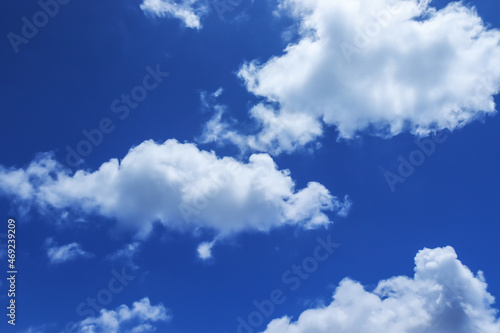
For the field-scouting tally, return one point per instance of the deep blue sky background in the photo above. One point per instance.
(64, 80)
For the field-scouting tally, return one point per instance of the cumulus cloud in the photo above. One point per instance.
(444, 296)
(188, 11)
(60, 254)
(380, 66)
(178, 185)
(137, 319)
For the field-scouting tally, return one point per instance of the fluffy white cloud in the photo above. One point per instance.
(443, 297)
(178, 185)
(384, 66)
(205, 250)
(136, 319)
(188, 11)
(60, 254)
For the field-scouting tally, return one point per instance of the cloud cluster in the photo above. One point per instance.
(178, 185)
(188, 11)
(137, 319)
(381, 66)
(442, 297)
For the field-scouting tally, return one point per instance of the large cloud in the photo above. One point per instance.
(385, 66)
(443, 297)
(178, 185)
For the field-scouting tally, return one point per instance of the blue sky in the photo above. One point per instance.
(295, 123)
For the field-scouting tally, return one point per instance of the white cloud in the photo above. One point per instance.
(177, 185)
(205, 250)
(128, 251)
(60, 254)
(280, 131)
(443, 297)
(137, 319)
(384, 66)
(126, 254)
(188, 11)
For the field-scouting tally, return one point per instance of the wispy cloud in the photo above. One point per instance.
(188, 11)
(60, 254)
(126, 254)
